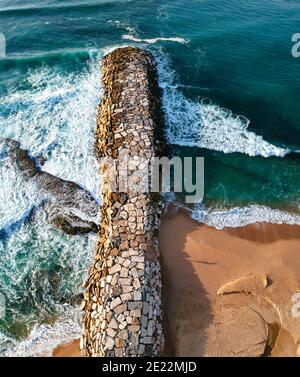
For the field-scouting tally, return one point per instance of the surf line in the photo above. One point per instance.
(122, 298)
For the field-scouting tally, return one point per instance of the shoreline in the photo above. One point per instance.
(256, 266)
(71, 349)
(197, 260)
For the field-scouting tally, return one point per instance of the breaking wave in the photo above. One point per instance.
(133, 34)
(15, 202)
(45, 338)
(52, 114)
(41, 274)
(241, 216)
(130, 37)
(206, 125)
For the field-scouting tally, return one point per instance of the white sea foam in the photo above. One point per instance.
(45, 338)
(41, 268)
(15, 201)
(241, 216)
(55, 117)
(131, 37)
(133, 34)
(6, 343)
(206, 125)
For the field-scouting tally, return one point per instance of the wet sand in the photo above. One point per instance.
(68, 350)
(257, 268)
(198, 260)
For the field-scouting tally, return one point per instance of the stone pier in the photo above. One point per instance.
(122, 299)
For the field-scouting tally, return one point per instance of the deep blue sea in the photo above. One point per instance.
(230, 94)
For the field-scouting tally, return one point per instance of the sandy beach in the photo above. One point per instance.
(68, 350)
(255, 270)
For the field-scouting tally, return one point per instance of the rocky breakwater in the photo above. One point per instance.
(122, 301)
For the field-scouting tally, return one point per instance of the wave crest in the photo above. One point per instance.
(206, 125)
(45, 338)
(242, 216)
(130, 37)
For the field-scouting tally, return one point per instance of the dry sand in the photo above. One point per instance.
(260, 264)
(255, 270)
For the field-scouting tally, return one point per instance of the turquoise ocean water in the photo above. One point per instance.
(231, 88)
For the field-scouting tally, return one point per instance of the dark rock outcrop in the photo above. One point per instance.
(69, 207)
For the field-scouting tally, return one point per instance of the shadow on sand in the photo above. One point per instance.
(186, 308)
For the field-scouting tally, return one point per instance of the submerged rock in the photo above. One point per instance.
(69, 207)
